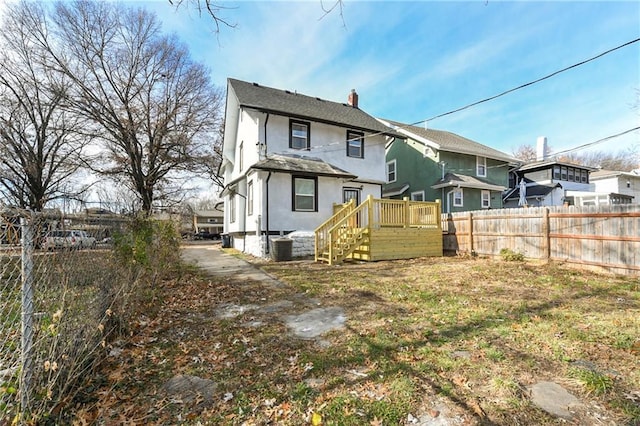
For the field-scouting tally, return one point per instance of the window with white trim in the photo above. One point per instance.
(305, 194)
(457, 197)
(250, 198)
(241, 156)
(391, 171)
(417, 196)
(481, 166)
(299, 134)
(485, 199)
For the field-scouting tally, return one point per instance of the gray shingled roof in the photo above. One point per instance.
(552, 162)
(299, 164)
(455, 143)
(285, 102)
(464, 181)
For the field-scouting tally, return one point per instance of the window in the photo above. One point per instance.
(250, 198)
(355, 144)
(481, 166)
(299, 134)
(485, 199)
(232, 208)
(391, 171)
(585, 176)
(563, 174)
(304, 194)
(556, 172)
(241, 155)
(457, 197)
(417, 196)
(571, 171)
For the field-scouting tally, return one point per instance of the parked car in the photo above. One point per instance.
(206, 235)
(68, 239)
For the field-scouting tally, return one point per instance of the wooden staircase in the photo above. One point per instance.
(343, 233)
(347, 242)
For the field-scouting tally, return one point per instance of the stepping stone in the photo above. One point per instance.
(315, 322)
(554, 399)
(190, 388)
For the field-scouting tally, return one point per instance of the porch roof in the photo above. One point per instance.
(392, 191)
(464, 181)
(303, 165)
(533, 191)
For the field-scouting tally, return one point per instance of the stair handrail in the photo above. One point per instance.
(322, 231)
(335, 231)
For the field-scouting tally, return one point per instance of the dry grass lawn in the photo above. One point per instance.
(452, 337)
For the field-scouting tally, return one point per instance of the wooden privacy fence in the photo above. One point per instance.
(601, 236)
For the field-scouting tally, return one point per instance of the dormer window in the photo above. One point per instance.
(355, 144)
(299, 134)
(481, 166)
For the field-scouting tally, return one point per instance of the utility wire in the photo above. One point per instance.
(586, 145)
(406, 126)
(531, 82)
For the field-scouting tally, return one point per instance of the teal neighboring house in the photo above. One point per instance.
(438, 165)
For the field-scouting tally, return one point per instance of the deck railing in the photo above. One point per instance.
(322, 232)
(406, 214)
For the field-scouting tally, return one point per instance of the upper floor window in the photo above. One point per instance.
(305, 191)
(299, 134)
(481, 166)
(232, 208)
(485, 199)
(457, 197)
(355, 144)
(250, 198)
(417, 196)
(391, 171)
(570, 174)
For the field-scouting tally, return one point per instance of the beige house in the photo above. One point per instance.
(210, 221)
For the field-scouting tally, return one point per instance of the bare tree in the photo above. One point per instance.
(154, 107)
(214, 10)
(624, 160)
(525, 153)
(39, 140)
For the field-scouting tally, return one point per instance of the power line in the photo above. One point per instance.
(586, 145)
(546, 77)
(531, 82)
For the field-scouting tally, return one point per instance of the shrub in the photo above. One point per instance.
(509, 255)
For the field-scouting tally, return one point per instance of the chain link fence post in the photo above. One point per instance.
(26, 225)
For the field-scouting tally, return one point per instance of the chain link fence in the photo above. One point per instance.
(64, 293)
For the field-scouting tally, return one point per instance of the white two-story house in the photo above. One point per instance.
(288, 158)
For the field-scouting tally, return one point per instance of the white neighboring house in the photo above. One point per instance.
(288, 158)
(624, 184)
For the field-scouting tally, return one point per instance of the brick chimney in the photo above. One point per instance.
(353, 98)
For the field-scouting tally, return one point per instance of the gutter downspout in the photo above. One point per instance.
(266, 186)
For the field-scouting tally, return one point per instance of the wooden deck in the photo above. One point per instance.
(380, 229)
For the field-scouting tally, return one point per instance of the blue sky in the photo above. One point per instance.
(409, 61)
